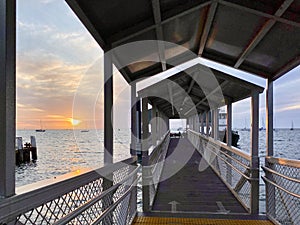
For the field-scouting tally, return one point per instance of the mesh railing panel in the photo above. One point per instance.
(99, 201)
(156, 161)
(283, 191)
(228, 165)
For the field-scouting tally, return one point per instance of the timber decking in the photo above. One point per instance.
(194, 191)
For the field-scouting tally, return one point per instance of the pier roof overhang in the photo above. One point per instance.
(259, 37)
(195, 90)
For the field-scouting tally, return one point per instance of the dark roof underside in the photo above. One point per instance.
(260, 37)
(195, 90)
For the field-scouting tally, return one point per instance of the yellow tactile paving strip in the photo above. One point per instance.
(193, 221)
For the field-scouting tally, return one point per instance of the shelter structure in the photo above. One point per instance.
(143, 38)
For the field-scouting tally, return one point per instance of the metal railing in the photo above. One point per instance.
(152, 169)
(230, 164)
(282, 178)
(89, 198)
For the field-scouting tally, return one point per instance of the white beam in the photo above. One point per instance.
(7, 96)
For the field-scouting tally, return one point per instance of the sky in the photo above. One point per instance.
(60, 70)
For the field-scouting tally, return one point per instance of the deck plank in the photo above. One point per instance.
(194, 191)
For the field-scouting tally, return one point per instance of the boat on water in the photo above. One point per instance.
(41, 129)
(222, 129)
(292, 127)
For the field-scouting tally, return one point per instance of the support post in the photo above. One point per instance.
(270, 189)
(207, 123)
(202, 123)
(254, 153)
(7, 96)
(229, 141)
(134, 133)
(145, 156)
(154, 125)
(108, 109)
(108, 131)
(229, 124)
(213, 123)
(269, 118)
(216, 124)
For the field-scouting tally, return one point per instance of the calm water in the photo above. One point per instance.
(63, 151)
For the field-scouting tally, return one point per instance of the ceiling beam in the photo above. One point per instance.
(259, 13)
(159, 32)
(208, 24)
(223, 84)
(117, 41)
(262, 33)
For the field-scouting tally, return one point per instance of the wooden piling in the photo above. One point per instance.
(33, 148)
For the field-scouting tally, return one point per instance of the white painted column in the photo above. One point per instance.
(108, 109)
(254, 152)
(7, 96)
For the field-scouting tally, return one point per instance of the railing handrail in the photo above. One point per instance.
(283, 161)
(116, 203)
(158, 144)
(13, 206)
(91, 202)
(279, 187)
(266, 169)
(232, 149)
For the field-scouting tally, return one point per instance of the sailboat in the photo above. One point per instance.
(292, 127)
(85, 130)
(41, 129)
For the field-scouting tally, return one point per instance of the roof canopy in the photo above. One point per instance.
(195, 90)
(260, 37)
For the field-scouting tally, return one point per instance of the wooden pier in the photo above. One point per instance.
(192, 190)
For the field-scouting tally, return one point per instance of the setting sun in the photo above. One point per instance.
(74, 122)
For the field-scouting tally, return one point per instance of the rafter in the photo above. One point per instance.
(117, 41)
(263, 31)
(291, 65)
(223, 84)
(159, 32)
(208, 25)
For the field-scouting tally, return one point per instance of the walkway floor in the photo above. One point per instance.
(190, 190)
(190, 221)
